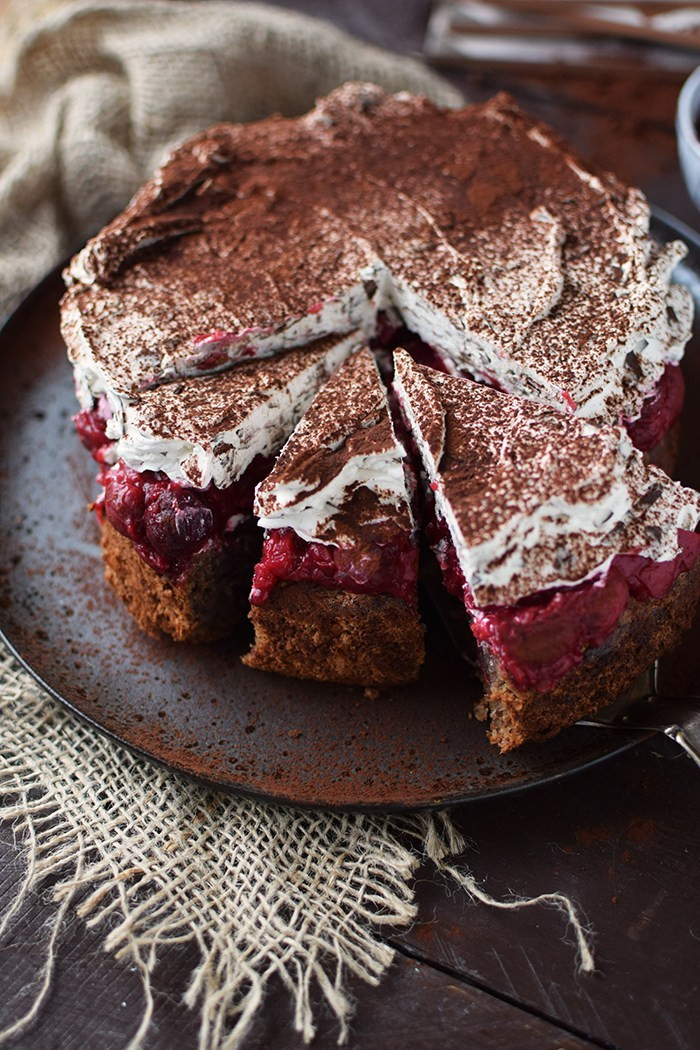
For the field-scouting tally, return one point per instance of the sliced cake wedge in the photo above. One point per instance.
(334, 594)
(178, 468)
(577, 563)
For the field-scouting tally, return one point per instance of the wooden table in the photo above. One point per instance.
(621, 839)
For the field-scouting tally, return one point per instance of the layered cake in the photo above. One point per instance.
(334, 595)
(202, 321)
(578, 564)
(178, 468)
(494, 242)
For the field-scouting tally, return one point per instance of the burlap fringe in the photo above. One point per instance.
(263, 891)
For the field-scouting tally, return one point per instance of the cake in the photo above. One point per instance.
(334, 595)
(494, 242)
(178, 468)
(204, 319)
(577, 563)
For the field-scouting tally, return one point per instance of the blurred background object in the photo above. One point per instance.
(688, 133)
(607, 74)
(604, 36)
(17, 17)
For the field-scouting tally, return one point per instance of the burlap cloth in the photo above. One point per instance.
(92, 96)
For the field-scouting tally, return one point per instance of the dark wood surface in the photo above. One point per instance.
(621, 839)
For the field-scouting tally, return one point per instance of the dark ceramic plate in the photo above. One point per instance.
(197, 709)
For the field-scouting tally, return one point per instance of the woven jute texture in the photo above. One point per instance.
(93, 97)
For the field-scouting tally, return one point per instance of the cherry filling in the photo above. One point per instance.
(90, 427)
(374, 568)
(389, 336)
(168, 522)
(542, 637)
(659, 411)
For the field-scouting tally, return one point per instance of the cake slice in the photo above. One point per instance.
(334, 594)
(578, 564)
(178, 467)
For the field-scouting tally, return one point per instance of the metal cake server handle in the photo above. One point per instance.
(641, 707)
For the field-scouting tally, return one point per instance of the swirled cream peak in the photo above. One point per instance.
(340, 477)
(533, 497)
(210, 429)
(491, 237)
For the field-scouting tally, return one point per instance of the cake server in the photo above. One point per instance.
(642, 707)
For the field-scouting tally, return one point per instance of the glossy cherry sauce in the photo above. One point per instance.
(167, 522)
(542, 637)
(387, 568)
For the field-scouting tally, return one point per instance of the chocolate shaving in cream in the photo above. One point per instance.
(534, 497)
(340, 477)
(212, 428)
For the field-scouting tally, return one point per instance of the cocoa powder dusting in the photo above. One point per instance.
(483, 213)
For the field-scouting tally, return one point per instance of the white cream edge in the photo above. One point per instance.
(381, 472)
(338, 316)
(261, 433)
(527, 530)
(658, 340)
(655, 340)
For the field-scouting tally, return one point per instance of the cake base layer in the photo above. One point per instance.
(206, 606)
(646, 631)
(307, 631)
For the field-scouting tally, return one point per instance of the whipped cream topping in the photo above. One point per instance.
(123, 379)
(340, 477)
(487, 233)
(312, 514)
(211, 429)
(534, 498)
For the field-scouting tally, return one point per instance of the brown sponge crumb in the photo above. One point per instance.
(307, 631)
(206, 606)
(646, 631)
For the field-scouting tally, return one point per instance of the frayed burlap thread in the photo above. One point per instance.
(264, 892)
